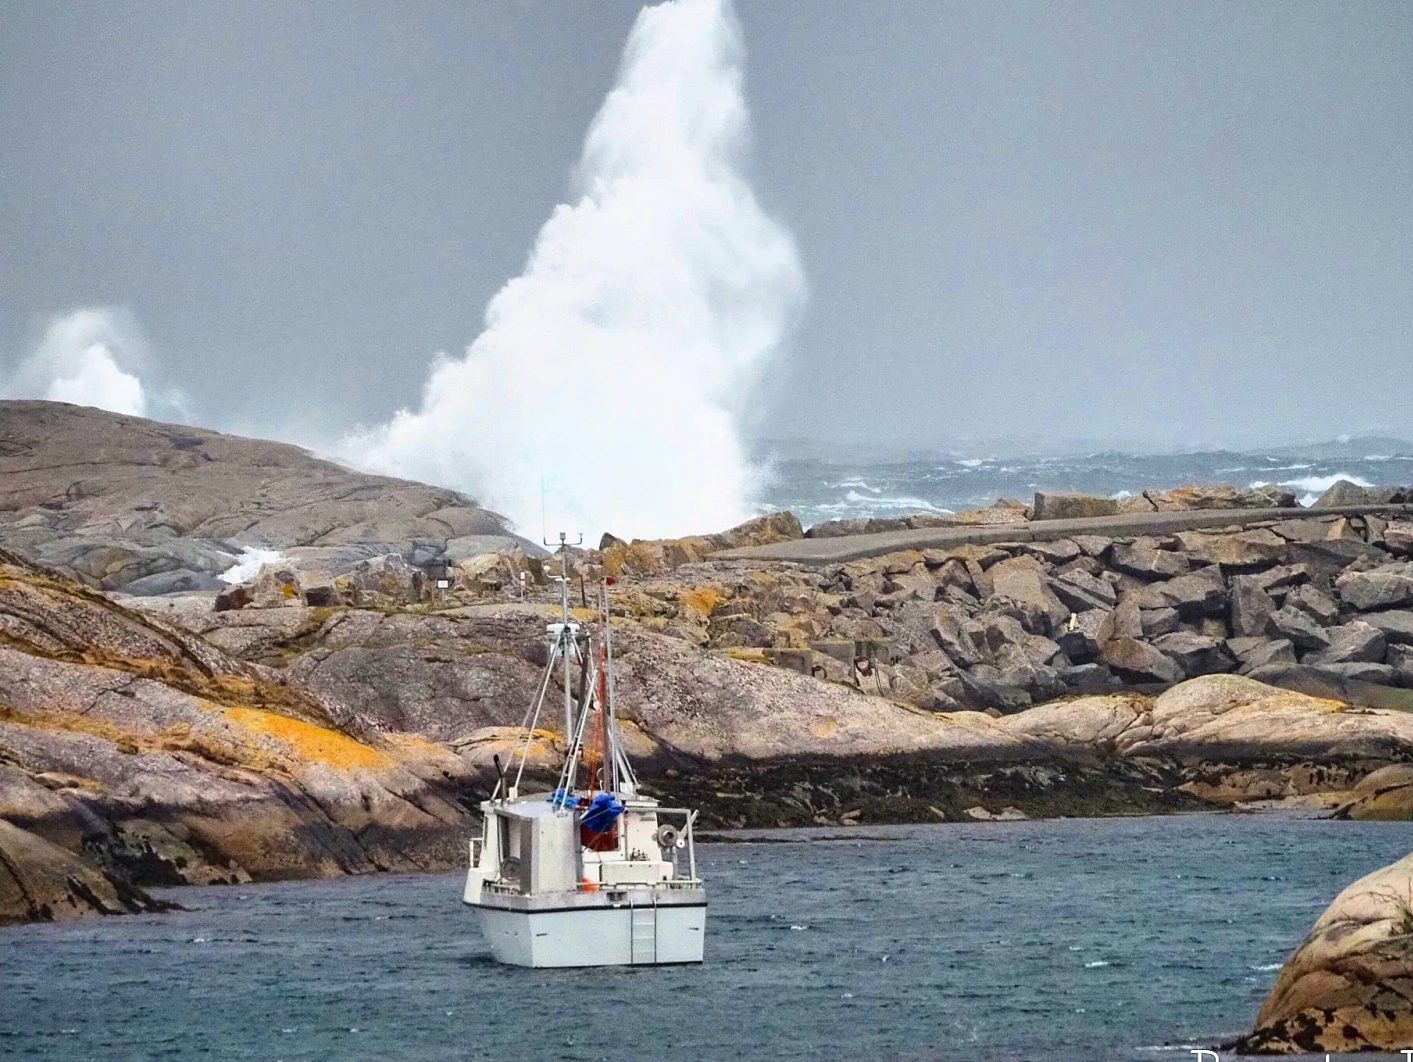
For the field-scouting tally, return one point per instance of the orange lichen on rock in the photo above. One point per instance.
(309, 742)
(700, 599)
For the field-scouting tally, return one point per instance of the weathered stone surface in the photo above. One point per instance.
(1080, 637)
(1341, 492)
(1351, 643)
(41, 882)
(384, 581)
(1306, 530)
(1251, 607)
(1315, 602)
(1197, 654)
(1400, 658)
(1067, 505)
(1157, 621)
(1244, 550)
(1200, 594)
(1278, 579)
(1125, 621)
(1093, 545)
(958, 637)
(1349, 986)
(1325, 560)
(1398, 537)
(1298, 627)
(1143, 558)
(1208, 496)
(1334, 682)
(1383, 794)
(1397, 625)
(117, 500)
(1055, 551)
(275, 586)
(1023, 580)
(1258, 652)
(1079, 591)
(1387, 587)
(1139, 662)
(1359, 671)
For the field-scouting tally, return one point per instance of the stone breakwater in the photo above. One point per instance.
(1006, 616)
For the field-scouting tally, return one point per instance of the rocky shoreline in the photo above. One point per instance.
(339, 712)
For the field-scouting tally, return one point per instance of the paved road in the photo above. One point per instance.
(821, 551)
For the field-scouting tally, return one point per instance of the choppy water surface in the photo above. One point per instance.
(1081, 939)
(822, 490)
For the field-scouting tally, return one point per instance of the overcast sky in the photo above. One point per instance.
(1168, 223)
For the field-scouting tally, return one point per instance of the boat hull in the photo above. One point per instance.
(601, 935)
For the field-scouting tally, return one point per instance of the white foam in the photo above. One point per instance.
(886, 502)
(249, 563)
(1316, 484)
(86, 358)
(610, 379)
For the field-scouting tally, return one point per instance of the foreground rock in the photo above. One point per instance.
(1349, 986)
(131, 504)
(41, 882)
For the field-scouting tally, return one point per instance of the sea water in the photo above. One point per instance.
(830, 490)
(1075, 939)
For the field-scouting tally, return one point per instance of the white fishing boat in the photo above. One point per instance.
(592, 873)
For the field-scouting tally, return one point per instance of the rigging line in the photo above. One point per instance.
(571, 763)
(530, 722)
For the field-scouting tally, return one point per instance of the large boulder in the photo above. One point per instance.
(1202, 593)
(1398, 537)
(1298, 627)
(1396, 625)
(1251, 607)
(1388, 587)
(1254, 653)
(1139, 662)
(1349, 986)
(1209, 496)
(1066, 505)
(1351, 643)
(1197, 654)
(1260, 548)
(383, 582)
(1341, 492)
(1024, 580)
(1143, 558)
(1080, 592)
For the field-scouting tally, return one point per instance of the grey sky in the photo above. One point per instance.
(1176, 224)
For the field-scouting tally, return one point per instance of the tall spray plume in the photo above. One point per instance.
(606, 390)
(97, 356)
(89, 357)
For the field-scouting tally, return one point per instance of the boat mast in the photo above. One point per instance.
(565, 636)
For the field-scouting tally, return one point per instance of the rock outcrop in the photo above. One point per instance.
(340, 712)
(41, 882)
(123, 503)
(1349, 986)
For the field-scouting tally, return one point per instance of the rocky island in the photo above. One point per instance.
(338, 710)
